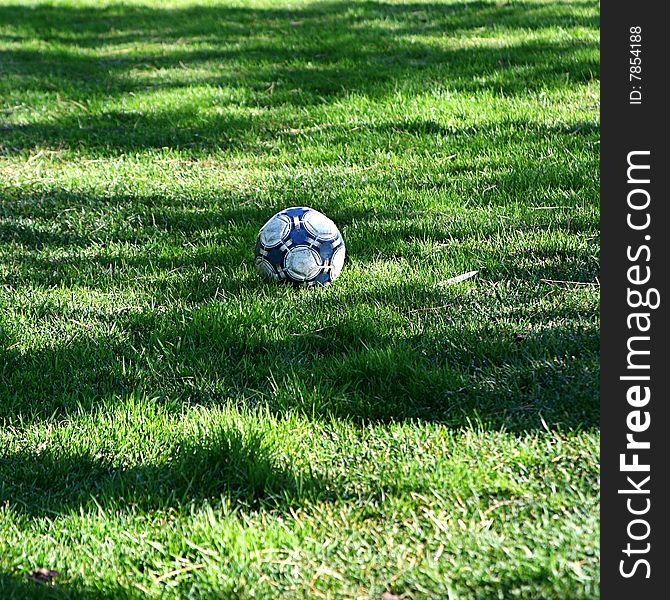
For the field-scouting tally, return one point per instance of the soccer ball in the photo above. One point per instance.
(299, 245)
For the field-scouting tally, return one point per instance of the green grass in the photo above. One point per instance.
(173, 427)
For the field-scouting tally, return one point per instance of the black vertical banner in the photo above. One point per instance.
(635, 262)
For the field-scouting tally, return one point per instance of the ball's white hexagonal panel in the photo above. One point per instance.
(275, 231)
(303, 263)
(337, 262)
(319, 225)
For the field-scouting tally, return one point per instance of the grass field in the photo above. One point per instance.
(173, 427)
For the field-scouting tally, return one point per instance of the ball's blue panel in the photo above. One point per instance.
(276, 256)
(326, 250)
(295, 212)
(298, 236)
(323, 277)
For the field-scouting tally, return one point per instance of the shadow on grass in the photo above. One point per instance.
(480, 373)
(486, 372)
(18, 587)
(310, 55)
(222, 466)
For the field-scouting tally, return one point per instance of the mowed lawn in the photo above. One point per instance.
(173, 427)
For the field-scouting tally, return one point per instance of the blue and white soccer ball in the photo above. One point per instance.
(299, 245)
